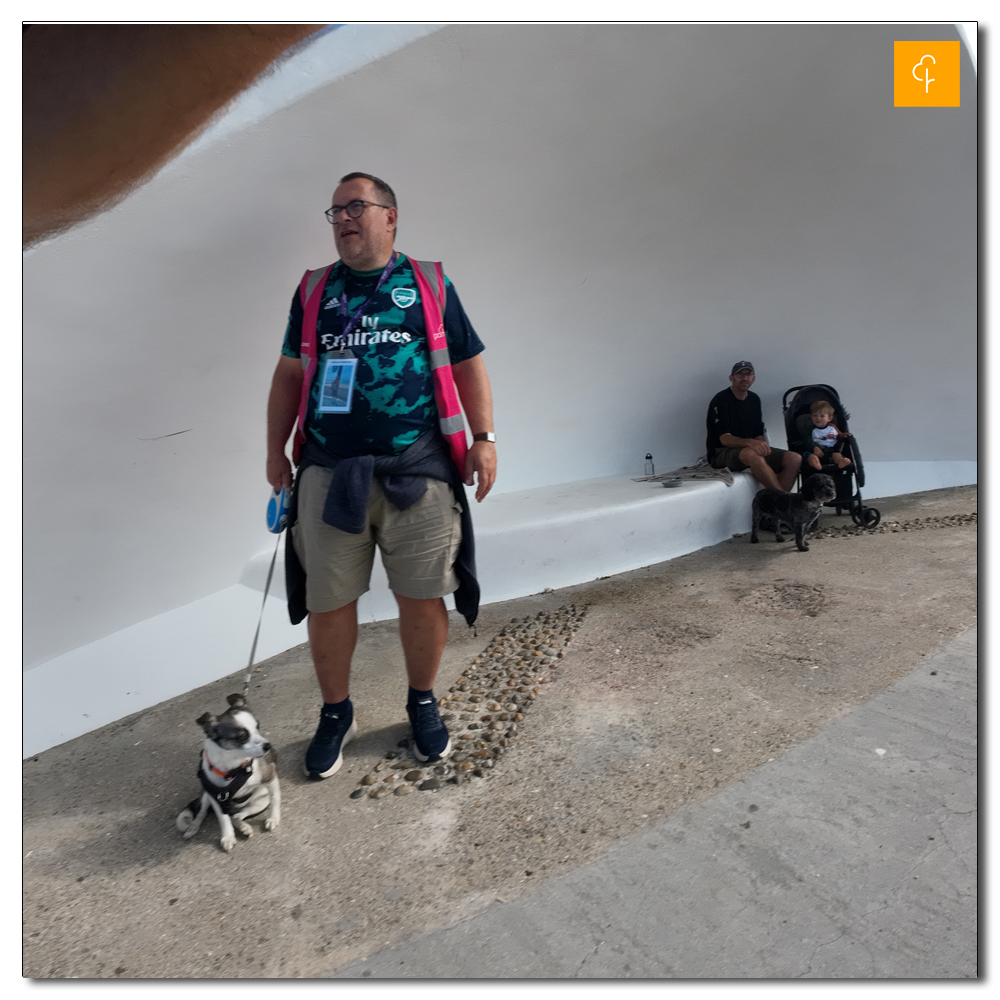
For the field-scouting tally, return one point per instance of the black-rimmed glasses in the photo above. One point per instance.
(352, 208)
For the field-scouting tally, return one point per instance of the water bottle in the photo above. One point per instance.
(649, 465)
(277, 511)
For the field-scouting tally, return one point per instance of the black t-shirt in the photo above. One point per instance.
(728, 415)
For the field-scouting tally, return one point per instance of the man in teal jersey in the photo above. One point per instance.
(371, 329)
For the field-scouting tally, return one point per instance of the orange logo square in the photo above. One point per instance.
(926, 74)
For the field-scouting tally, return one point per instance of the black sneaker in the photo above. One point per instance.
(430, 735)
(325, 755)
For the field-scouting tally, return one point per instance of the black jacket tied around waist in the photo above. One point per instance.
(402, 480)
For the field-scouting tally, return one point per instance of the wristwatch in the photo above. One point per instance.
(485, 436)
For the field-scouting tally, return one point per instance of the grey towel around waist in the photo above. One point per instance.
(400, 476)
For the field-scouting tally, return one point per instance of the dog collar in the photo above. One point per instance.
(226, 775)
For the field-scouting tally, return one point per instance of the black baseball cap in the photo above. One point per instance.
(740, 365)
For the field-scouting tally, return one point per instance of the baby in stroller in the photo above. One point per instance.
(826, 437)
(848, 474)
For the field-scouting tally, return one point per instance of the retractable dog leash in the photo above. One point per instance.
(277, 519)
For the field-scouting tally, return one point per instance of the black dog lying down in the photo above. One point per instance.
(774, 510)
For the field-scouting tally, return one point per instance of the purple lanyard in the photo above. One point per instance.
(353, 321)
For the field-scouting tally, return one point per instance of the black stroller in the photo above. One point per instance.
(850, 479)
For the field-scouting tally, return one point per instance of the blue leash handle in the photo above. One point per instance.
(277, 519)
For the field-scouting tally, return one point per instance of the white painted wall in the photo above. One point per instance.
(625, 211)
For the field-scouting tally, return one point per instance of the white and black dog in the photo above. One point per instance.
(238, 775)
(775, 509)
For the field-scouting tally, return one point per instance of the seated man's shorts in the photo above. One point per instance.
(729, 458)
(418, 545)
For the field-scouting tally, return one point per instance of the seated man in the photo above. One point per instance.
(736, 434)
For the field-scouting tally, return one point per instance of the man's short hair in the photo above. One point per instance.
(384, 191)
(822, 406)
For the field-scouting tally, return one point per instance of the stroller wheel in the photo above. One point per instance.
(840, 511)
(871, 517)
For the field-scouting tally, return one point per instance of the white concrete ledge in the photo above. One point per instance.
(147, 663)
(554, 536)
(557, 536)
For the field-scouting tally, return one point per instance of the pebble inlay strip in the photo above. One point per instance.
(888, 527)
(484, 709)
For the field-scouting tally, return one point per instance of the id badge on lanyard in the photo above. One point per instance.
(336, 386)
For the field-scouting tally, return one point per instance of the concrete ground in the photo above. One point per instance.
(693, 691)
(842, 860)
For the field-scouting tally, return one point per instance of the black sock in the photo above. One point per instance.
(415, 695)
(338, 708)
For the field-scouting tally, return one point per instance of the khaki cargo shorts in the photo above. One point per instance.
(729, 458)
(418, 545)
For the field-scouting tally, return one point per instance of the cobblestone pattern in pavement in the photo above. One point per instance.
(484, 707)
(890, 527)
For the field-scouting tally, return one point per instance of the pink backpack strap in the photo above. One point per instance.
(310, 295)
(430, 281)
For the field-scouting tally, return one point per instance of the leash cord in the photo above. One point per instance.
(256, 635)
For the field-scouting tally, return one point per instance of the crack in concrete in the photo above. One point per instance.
(812, 956)
(586, 958)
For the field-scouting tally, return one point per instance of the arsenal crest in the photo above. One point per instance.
(404, 297)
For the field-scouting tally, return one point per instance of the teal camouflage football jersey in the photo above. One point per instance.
(393, 398)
